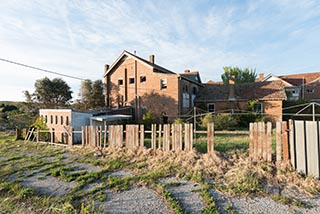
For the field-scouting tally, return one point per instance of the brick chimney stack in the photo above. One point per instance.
(151, 58)
(261, 76)
(232, 95)
(106, 68)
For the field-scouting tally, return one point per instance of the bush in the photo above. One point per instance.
(178, 121)
(206, 120)
(246, 119)
(225, 122)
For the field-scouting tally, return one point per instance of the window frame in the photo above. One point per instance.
(163, 84)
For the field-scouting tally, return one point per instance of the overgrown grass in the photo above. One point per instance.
(226, 143)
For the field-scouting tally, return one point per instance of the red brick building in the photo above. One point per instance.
(235, 97)
(146, 86)
(305, 86)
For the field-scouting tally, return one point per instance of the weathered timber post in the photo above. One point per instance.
(38, 135)
(285, 142)
(269, 142)
(83, 134)
(18, 134)
(251, 140)
(141, 135)
(210, 137)
(278, 142)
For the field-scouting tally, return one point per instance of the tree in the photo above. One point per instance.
(97, 94)
(240, 75)
(91, 95)
(85, 94)
(50, 93)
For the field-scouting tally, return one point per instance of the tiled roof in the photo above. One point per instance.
(299, 79)
(258, 90)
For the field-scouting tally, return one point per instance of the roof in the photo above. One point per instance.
(300, 79)
(110, 117)
(192, 76)
(124, 54)
(272, 90)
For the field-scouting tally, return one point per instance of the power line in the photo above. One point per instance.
(40, 69)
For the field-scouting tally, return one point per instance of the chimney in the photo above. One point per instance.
(151, 58)
(261, 76)
(231, 88)
(106, 68)
(186, 71)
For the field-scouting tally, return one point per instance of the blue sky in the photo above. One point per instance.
(78, 37)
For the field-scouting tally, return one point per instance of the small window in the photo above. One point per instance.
(257, 107)
(310, 90)
(131, 80)
(56, 119)
(67, 120)
(194, 90)
(51, 119)
(120, 81)
(61, 120)
(143, 78)
(46, 119)
(163, 83)
(211, 108)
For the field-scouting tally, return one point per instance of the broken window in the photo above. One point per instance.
(143, 78)
(163, 83)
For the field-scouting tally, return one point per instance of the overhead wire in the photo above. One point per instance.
(41, 69)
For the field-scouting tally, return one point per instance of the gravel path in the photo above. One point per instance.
(136, 200)
(190, 201)
(48, 185)
(144, 200)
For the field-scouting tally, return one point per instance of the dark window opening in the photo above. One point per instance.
(163, 83)
(131, 80)
(211, 108)
(257, 107)
(120, 81)
(143, 78)
(310, 90)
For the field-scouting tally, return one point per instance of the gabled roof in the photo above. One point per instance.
(125, 54)
(192, 76)
(269, 90)
(272, 77)
(295, 79)
(300, 79)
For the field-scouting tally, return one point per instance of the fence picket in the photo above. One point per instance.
(278, 142)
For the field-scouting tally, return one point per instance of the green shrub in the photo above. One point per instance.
(225, 122)
(206, 120)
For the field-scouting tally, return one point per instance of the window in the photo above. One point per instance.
(120, 81)
(131, 80)
(310, 90)
(194, 90)
(46, 118)
(257, 107)
(185, 89)
(211, 108)
(143, 78)
(51, 119)
(56, 119)
(163, 83)
(67, 120)
(61, 120)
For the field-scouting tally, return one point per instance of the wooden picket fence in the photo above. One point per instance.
(167, 137)
(260, 142)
